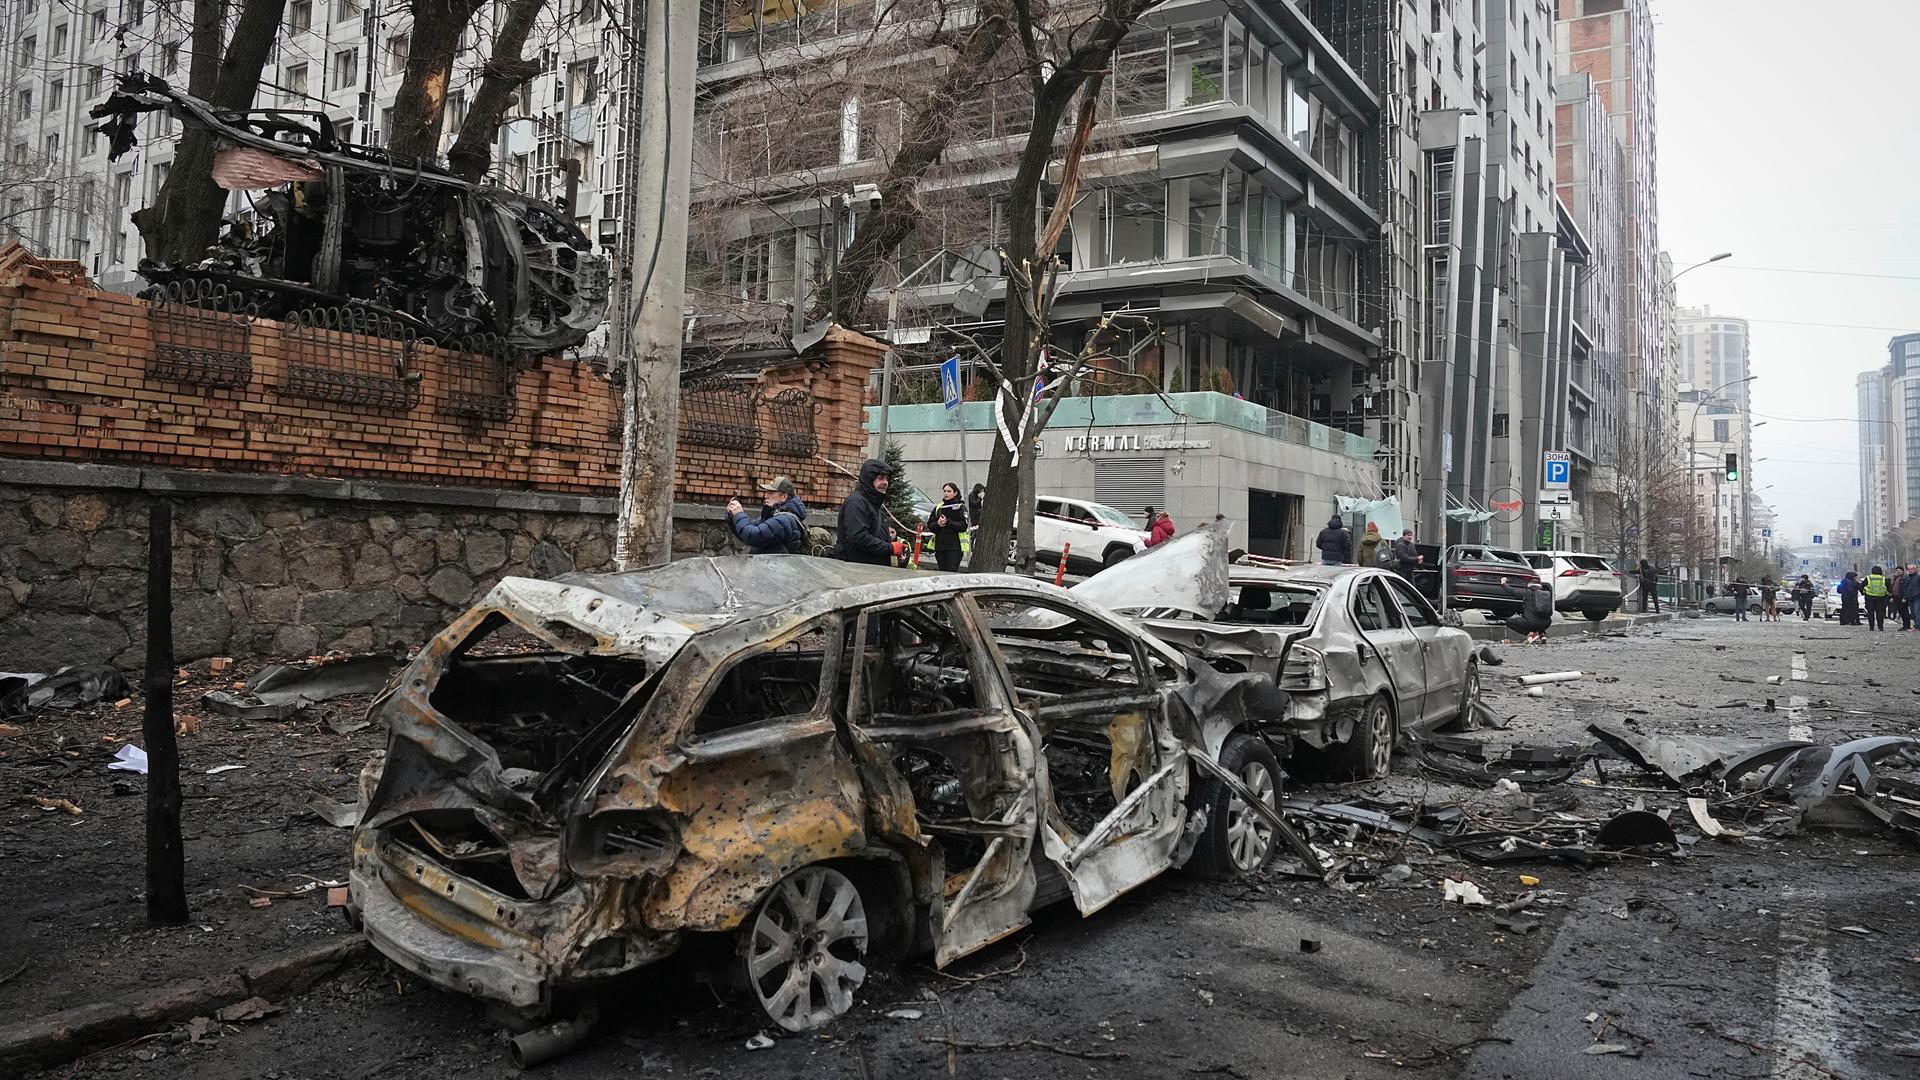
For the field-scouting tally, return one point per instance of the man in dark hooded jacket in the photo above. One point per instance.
(1335, 543)
(782, 526)
(863, 519)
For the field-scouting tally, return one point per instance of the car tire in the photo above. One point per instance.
(1368, 755)
(1116, 555)
(1468, 717)
(1753, 609)
(1597, 616)
(1237, 840)
(802, 954)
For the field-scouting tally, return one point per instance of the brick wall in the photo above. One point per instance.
(75, 385)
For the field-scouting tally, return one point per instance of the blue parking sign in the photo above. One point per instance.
(950, 382)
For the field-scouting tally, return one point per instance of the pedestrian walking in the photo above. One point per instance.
(1849, 589)
(1739, 589)
(864, 536)
(1803, 597)
(949, 525)
(1897, 608)
(1370, 542)
(1402, 557)
(782, 526)
(1769, 595)
(1335, 543)
(976, 502)
(1909, 598)
(1649, 585)
(1159, 527)
(1874, 588)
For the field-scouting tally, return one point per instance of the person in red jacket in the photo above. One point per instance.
(1159, 527)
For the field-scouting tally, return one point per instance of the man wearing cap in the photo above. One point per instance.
(781, 529)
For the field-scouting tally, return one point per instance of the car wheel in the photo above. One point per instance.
(1468, 717)
(1753, 609)
(803, 953)
(1597, 616)
(1368, 755)
(1116, 554)
(1239, 841)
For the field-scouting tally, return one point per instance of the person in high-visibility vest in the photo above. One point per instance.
(1875, 590)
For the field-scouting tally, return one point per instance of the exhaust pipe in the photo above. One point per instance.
(543, 1044)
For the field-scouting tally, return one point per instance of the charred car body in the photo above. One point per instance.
(339, 223)
(819, 759)
(1363, 658)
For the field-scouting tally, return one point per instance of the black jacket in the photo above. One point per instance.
(863, 521)
(1334, 541)
(956, 512)
(1403, 556)
(976, 503)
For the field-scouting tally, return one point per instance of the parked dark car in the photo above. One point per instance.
(1478, 576)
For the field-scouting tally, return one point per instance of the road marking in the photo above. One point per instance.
(1803, 1000)
(1797, 726)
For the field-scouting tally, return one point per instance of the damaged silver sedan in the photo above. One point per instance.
(812, 760)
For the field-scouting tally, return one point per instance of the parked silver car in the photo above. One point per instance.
(1364, 658)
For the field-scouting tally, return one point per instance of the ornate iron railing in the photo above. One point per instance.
(352, 356)
(202, 335)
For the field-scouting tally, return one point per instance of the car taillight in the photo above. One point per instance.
(1573, 573)
(1305, 669)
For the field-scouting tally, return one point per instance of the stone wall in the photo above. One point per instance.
(285, 569)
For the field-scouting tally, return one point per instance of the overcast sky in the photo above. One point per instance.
(1788, 136)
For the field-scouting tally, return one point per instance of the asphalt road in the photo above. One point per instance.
(1732, 962)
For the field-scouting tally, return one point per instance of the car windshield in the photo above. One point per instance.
(1109, 515)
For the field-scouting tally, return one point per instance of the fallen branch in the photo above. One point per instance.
(1028, 1043)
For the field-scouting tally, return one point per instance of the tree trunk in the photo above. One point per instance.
(420, 105)
(505, 71)
(185, 220)
(929, 133)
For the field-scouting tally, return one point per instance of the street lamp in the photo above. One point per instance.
(1698, 265)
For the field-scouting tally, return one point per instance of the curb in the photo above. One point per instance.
(60, 1037)
(1563, 628)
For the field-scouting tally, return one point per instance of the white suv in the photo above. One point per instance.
(1099, 535)
(1581, 582)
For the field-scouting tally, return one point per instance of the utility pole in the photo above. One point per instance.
(658, 130)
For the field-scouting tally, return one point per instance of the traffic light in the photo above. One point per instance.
(1733, 467)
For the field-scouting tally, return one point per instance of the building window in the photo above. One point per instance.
(122, 190)
(1721, 433)
(300, 15)
(397, 46)
(297, 80)
(1500, 425)
(456, 110)
(52, 146)
(60, 42)
(56, 94)
(170, 58)
(96, 80)
(27, 50)
(97, 25)
(346, 69)
(585, 11)
(345, 10)
(135, 11)
(25, 98)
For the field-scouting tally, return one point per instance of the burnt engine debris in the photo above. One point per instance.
(339, 224)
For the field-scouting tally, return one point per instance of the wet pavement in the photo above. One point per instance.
(1796, 957)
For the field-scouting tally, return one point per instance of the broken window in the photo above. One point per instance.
(1369, 613)
(300, 15)
(1084, 685)
(781, 682)
(531, 696)
(397, 46)
(346, 68)
(297, 80)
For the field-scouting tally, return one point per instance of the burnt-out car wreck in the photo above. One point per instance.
(337, 224)
(812, 762)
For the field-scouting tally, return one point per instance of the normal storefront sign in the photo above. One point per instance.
(1129, 443)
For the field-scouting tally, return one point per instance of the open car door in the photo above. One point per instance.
(944, 755)
(1114, 777)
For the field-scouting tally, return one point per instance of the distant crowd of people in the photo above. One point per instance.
(1884, 595)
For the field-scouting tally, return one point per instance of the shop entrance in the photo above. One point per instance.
(1273, 523)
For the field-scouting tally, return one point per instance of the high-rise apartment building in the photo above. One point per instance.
(1889, 421)
(1612, 42)
(1713, 366)
(1590, 166)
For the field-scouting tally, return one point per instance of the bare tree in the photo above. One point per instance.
(506, 71)
(1065, 59)
(1644, 500)
(433, 44)
(224, 70)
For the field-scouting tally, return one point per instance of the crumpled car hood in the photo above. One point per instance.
(1188, 573)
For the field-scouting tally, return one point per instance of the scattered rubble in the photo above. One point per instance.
(280, 691)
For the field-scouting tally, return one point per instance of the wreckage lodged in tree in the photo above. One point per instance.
(341, 225)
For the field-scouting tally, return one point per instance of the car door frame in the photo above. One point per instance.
(1434, 636)
(977, 915)
(1098, 873)
(1397, 638)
